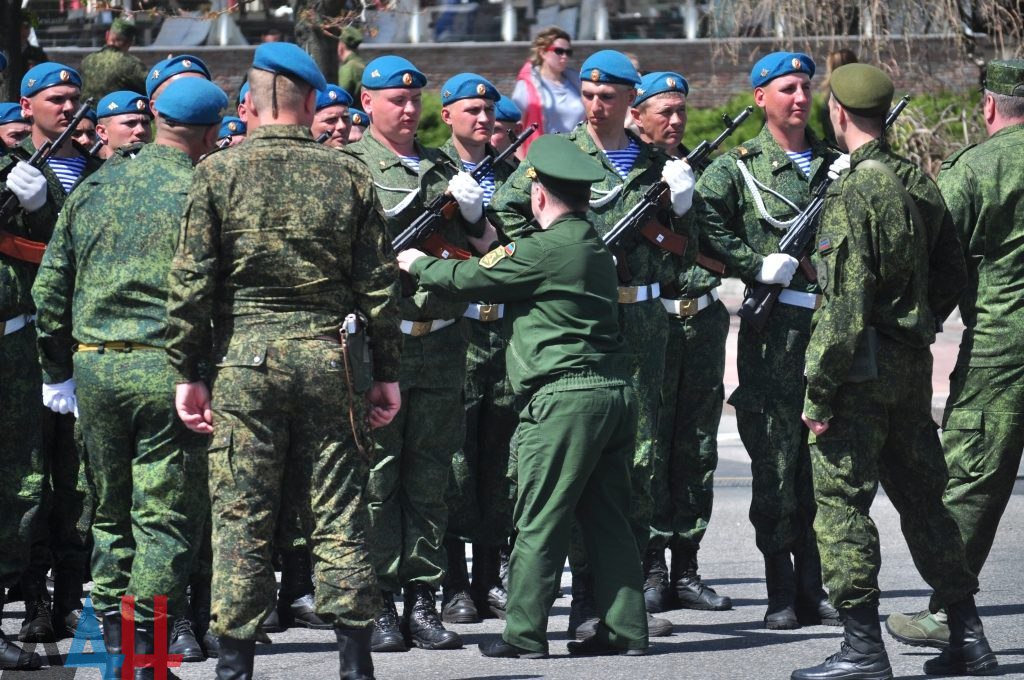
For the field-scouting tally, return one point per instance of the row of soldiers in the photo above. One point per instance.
(434, 472)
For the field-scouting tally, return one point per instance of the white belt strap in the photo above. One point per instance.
(15, 324)
(482, 312)
(755, 187)
(798, 299)
(418, 328)
(631, 294)
(690, 306)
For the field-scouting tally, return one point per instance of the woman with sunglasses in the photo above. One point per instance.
(546, 91)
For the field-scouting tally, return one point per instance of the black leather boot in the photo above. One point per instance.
(199, 602)
(297, 590)
(236, 659)
(421, 625)
(355, 662)
(457, 604)
(184, 640)
(582, 612)
(861, 656)
(781, 583)
(504, 555)
(112, 632)
(812, 605)
(144, 645)
(690, 590)
(13, 657)
(387, 634)
(489, 595)
(658, 596)
(968, 652)
(37, 626)
(67, 602)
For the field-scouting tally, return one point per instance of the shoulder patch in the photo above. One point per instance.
(951, 161)
(497, 255)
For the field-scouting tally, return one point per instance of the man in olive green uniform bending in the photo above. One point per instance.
(983, 435)
(101, 294)
(281, 240)
(752, 195)
(567, 366)
(891, 270)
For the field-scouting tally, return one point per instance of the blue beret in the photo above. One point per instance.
(173, 66)
(10, 112)
(48, 74)
(659, 82)
(333, 95)
(231, 126)
(290, 60)
(193, 101)
(121, 102)
(391, 71)
(243, 91)
(360, 118)
(777, 64)
(91, 115)
(609, 66)
(468, 86)
(3, 61)
(507, 110)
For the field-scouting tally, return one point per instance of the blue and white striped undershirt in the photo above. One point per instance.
(487, 183)
(802, 159)
(624, 159)
(411, 162)
(68, 170)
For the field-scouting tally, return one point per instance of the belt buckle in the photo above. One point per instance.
(688, 306)
(627, 295)
(420, 328)
(489, 312)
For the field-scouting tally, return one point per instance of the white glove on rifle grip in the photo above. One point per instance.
(838, 165)
(679, 177)
(469, 194)
(777, 268)
(29, 185)
(60, 397)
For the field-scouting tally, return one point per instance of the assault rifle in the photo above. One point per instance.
(424, 228)
(758, 306)
(18, 247)
(641, 218)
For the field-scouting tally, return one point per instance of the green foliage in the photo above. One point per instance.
(432, 131)
(706, 124)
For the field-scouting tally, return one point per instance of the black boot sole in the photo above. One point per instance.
(704, 607)
(917, 642)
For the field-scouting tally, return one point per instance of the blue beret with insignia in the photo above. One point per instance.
(468, 86)
(290, 60)
(231, 126)
(776, 64)
(3, 61)
(173, 66)
(360, 118)
(242, 92)
(390, 71)
(48, 74)
(121, 102)
(193, 101)
(506, 110)
(10, 112)
(659, 82)
(333, 95)
(609, 66)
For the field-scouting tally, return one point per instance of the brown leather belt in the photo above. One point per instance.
(116, 346)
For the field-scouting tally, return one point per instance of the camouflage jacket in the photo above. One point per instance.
(982, 186)
(281, 239)
(350, 75)
(110, 70)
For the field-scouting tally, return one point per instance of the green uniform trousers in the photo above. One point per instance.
(692, 394)
(287, 410)
(575, 440)
(150, 476)
(983, 438)
(882, 431)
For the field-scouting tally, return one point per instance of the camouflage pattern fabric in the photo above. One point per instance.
(110, 70)
(350, 75)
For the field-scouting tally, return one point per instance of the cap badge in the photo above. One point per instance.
(670, 82)
(187, 63)
(531, 173)
(764, 72)
(31, 82)
(332, 95)
(595, 75)
(112, 106)
(140, 105)
(407, 78)
(155, 74)
(447, 93)
(481, 89)
(65, 76)
(796, 63)
(357, 119)
(640, 91)
(232, 126)
(375, 74)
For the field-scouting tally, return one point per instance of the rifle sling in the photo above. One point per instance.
(21, 248)
(438, 247)
(666, 239)
(711, 264)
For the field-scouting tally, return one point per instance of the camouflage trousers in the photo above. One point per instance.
(21, 459)
(480, 500)
(288, 411)
(983, 438)
(882, 432)
(149, 472)
(682, 481)
(768, 403)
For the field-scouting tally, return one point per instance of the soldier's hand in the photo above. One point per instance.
(60, 397)
(679, 177)
(818, 427)
(470, 195)
(407, 257)
(29, 185)
(192, 402)
(385, 400)
(777, 269)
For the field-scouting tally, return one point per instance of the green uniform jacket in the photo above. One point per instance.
(610, 199)
(104, 275)
(281, 238)
(982, 186)
(350, 75)
(879, 267)
(561, 301)
(110, 70)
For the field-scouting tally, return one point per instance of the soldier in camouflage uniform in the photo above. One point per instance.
(752, 194)
(123, 118)
(891, 270)
(983, 436)
(112, 68)
(285, 395)
(682, 479)
(350, 62)
(101, 299)
(631, 167)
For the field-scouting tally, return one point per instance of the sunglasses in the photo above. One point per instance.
(561, 51)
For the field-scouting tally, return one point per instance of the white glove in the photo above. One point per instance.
(60, 397)
(469, 194)
(838, 165)
(29, 185)
(777, 268)
(679, 177)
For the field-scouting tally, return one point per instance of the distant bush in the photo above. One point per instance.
(432, 131)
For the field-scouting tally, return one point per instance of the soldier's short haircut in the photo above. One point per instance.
(277, 91)
(1007, 106)
(574, 198)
